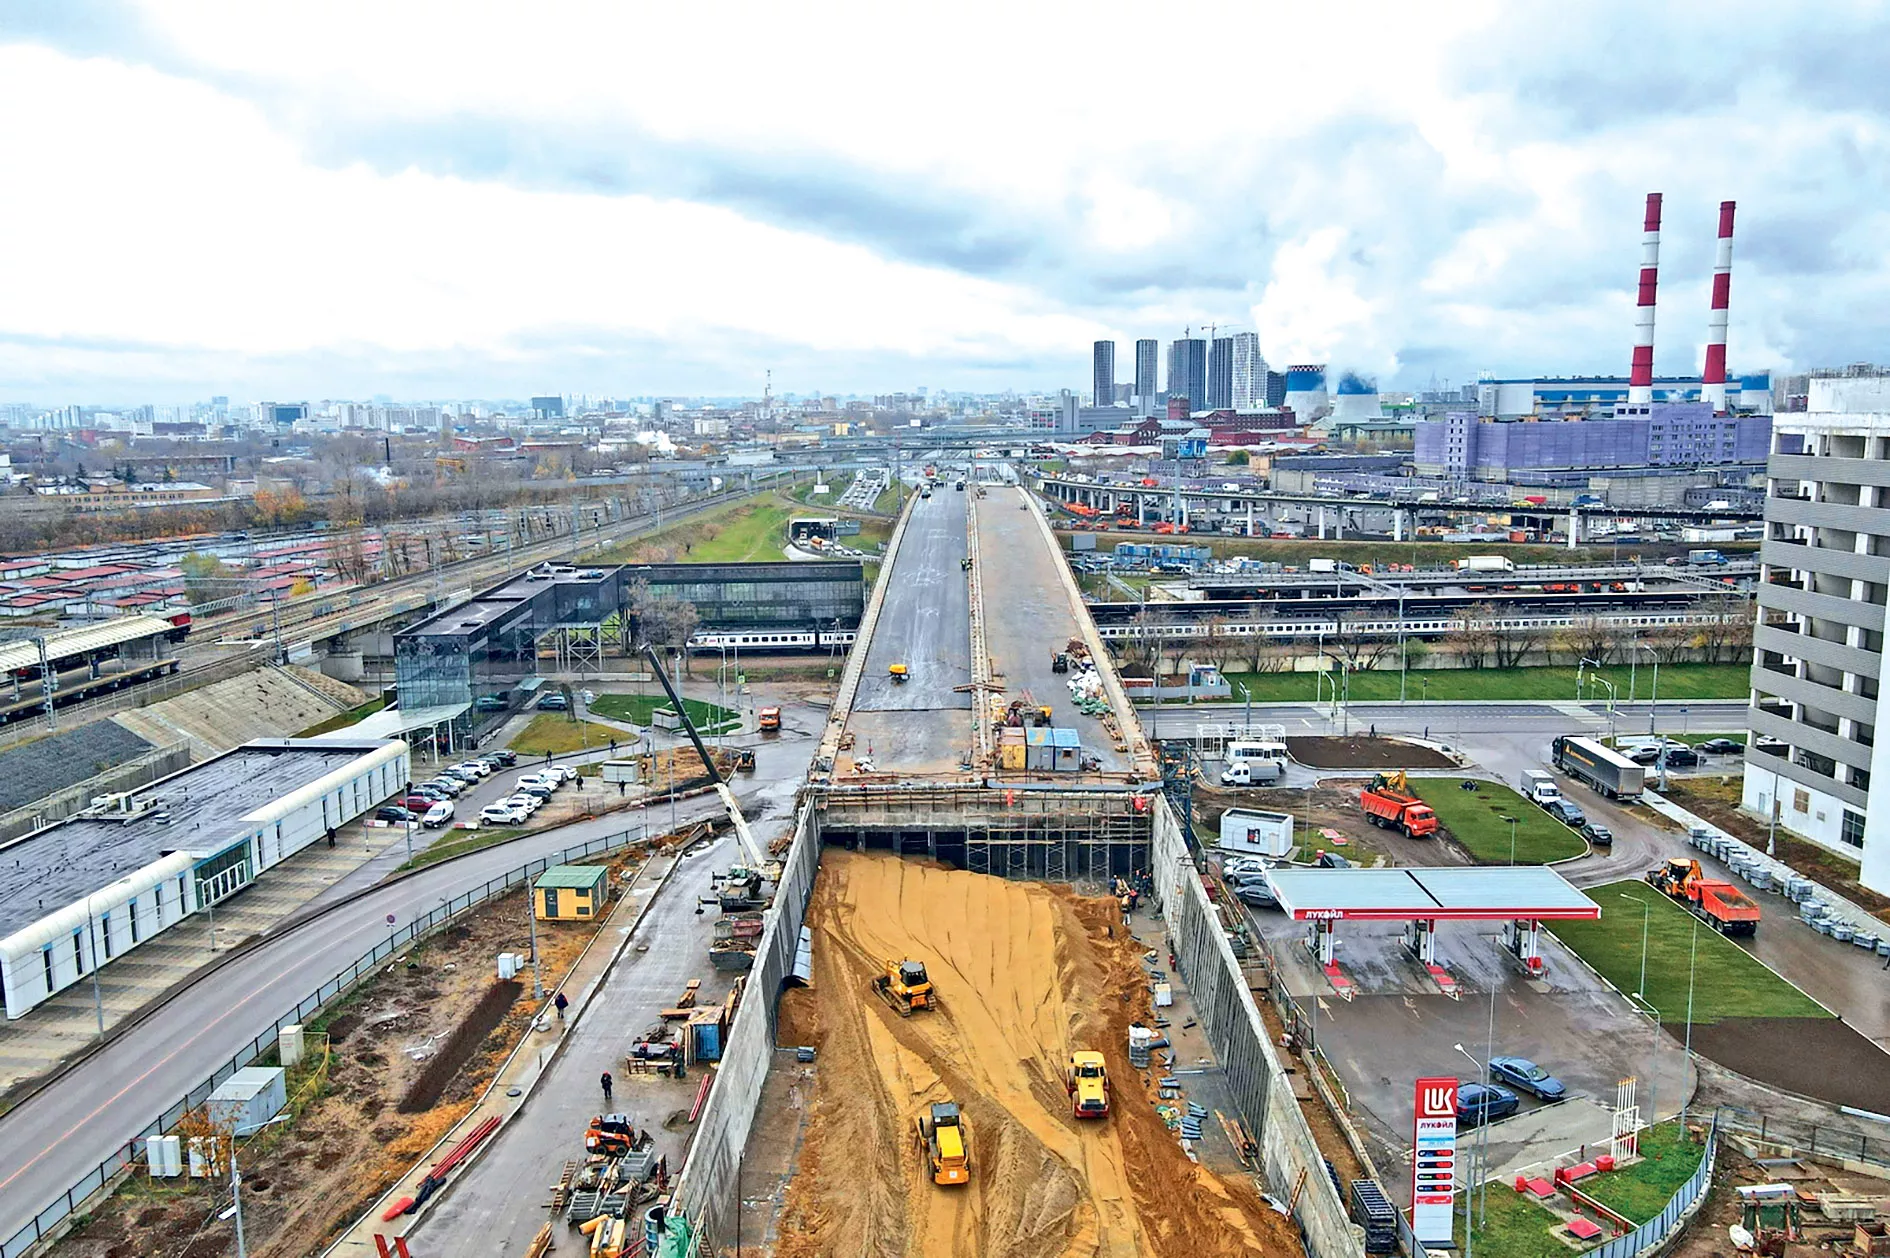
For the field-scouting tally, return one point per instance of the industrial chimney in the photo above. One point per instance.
(1713, 380)
(1641, 376)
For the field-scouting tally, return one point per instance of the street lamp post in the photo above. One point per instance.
(1692, 955)
(236, 1183)
(1653, 702)
(1647, 907)
(1512, 839)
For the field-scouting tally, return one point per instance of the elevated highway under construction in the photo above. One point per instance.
(943, 822)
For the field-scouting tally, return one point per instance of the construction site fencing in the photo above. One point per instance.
(48, 1221)
(707, 1201)
(1661, 1228)
(1801, 1137)
(1293, 1165)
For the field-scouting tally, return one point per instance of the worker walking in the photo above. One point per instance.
(606, 1082)
(559, 1004)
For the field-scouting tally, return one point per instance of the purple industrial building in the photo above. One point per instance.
(1664, 434)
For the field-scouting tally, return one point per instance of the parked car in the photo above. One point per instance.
(1769, 745)
(540, 789)
(505, 756)
(477, 768)
(565, 773)
(529, 802)
(1479, 1103)
(438, 815)
(1566, 812)
(547, 780)
(1525, 1076)
(1646, 753)
(553, 703)
(1599, 835)
(1331, 860)
(1682, 757)
(490, 703)
(1722, 746)
(465, 774)
(1257, 894)
(502, 815)
(394, 813)
(417, 804)
(451, 787)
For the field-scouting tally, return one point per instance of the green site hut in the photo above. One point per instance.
(570, 893)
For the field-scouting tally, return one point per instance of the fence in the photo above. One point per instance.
(706, 1202)
(1293, 1164)
(47, 1221)
(1807, 1138)
(1657, 1229)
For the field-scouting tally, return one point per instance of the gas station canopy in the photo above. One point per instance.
(1510, 893)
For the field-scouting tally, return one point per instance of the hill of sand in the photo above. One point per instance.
(1026, 973)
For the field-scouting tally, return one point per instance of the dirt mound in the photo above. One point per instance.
(1816, 1057)
(1026, 973)
(1361, 751)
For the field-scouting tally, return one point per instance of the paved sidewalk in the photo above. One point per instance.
(554, 1069)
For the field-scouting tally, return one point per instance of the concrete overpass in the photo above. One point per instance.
(972, 640)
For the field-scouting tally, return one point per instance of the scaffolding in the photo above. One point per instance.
(1053, 835)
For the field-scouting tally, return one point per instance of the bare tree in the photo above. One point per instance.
(1473, 641)
(1728, 637)
(1216, 644)
(1588, 638)
(1356, 646)
(661, 620)
(1671, 643)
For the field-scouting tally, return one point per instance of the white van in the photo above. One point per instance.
(1252, 773)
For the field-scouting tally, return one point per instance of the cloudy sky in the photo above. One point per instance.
(462, 200)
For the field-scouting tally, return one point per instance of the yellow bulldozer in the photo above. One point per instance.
(906, 987)
(945, 1142)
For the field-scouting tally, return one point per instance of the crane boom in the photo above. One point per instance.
(752, 850)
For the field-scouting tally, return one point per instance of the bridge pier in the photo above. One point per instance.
(1322, 524)
(1249, 518)
(1397, 524)
(1574, 528)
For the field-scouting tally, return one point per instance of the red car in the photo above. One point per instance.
(418, 804)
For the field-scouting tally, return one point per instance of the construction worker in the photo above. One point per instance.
(606, 1082)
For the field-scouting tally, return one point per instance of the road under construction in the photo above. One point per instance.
(974, 815)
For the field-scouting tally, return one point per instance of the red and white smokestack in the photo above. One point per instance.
(1641, 377)
(1713, 380)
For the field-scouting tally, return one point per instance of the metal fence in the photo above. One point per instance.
(1657, 1229)
(69, 1202)
(706, 1200)
(1802, 1137)
(1293, 1163)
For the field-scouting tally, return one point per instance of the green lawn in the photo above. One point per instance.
(709, 718)
(1514, 1227)
(1642, 1191)
(478, 840)
(555, 734)
(1727, 981)
(890, 499)
(341, 720)
(835, 485)
(1677, 681)
(1475, 819)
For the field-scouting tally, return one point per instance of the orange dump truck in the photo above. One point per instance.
(1721, 905)
(1390, 804)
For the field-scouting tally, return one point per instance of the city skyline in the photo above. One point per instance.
(236, 201)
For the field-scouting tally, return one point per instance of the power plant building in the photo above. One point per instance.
(1306, 391)
(1680, 435)
(1588, 397)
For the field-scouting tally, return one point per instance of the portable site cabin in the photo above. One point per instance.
(570, 893)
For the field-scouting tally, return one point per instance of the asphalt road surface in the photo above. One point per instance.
(1028, 616)
(922, 725)
(58, 1135)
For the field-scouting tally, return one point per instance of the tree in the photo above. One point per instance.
(1356, 646)
(1239, 458)
(205, 578)
(1728, 635)
(1216, 644)
(662, 620)
(1671, 643)
(1588, 638)
(1473, 640)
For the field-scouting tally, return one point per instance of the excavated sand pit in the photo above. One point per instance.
(1025, 973)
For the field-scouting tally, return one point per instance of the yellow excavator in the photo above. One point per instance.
(946, 1143)
(906, 987)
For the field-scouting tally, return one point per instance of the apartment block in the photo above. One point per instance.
(1813, 760)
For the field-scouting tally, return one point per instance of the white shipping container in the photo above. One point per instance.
(1257, 832)
(249, 1098)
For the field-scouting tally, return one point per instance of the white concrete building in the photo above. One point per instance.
(1819, 659)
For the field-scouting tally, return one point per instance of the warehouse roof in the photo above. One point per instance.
(200, 809)
(1403, 895)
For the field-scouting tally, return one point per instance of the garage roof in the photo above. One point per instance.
(1403, 895)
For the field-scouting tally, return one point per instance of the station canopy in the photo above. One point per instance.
(1404, 895)
(397, 722)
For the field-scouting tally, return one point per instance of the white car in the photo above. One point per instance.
(549, 781)
(530, 803)
(438, 815)
(478, 768)
(502, 814)
(565, 773)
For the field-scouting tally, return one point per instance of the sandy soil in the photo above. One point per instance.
(1026, 973)
(350, 1142)
(1362, 751)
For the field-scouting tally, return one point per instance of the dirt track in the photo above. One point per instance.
(1026, 973)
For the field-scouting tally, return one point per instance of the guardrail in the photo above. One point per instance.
(1808, 1138)
(49, 1221)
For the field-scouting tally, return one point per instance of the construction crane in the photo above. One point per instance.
(752, 851)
